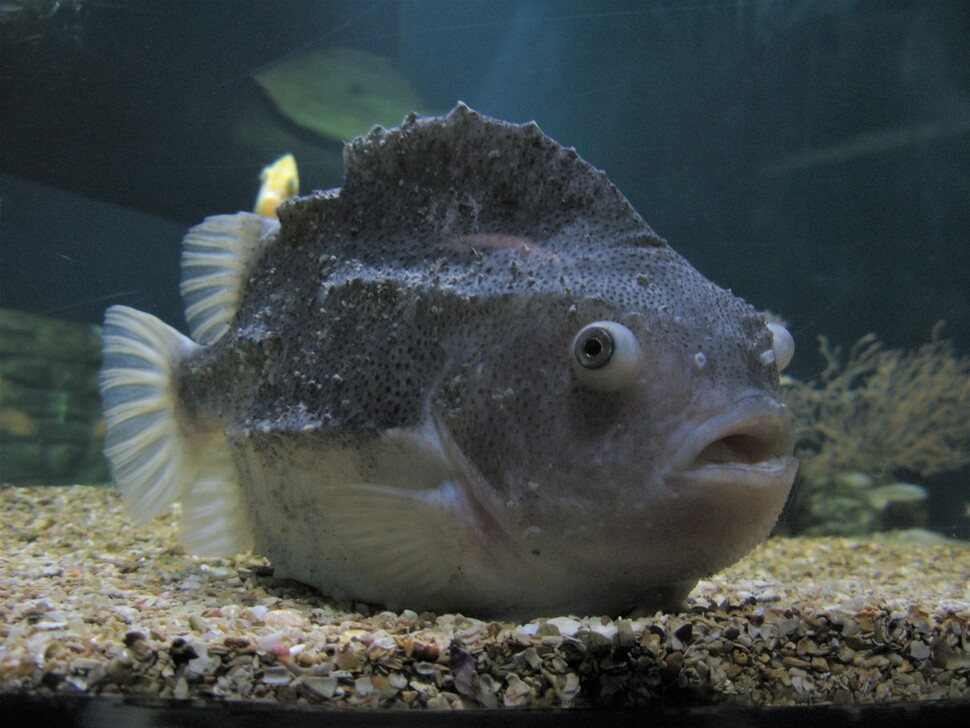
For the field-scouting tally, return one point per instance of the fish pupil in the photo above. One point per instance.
(594, 347)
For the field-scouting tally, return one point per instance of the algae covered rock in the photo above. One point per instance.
(51, 429)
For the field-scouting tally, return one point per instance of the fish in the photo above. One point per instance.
(883, 496)
(472, 379)
(280, 181)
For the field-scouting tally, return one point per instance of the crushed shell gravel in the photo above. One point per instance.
(91, 604)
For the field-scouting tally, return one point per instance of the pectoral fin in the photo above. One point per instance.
(402, 542)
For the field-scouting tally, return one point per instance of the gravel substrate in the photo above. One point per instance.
(90, 604)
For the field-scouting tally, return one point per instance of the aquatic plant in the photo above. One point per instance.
(866, 420)
(338, 93)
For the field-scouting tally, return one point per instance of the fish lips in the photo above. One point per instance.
(749, 445)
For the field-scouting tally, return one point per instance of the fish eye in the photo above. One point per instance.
(606, 356)
(782, 344)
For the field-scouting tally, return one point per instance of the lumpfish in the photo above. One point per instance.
(280, 181)
(471, 379)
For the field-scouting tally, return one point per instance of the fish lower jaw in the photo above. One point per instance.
(749, 444)
(777, 472)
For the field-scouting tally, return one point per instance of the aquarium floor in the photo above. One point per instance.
(90, 604)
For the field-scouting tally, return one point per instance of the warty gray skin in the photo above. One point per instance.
(406, 418)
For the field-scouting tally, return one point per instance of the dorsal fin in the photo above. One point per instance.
(216, 257)
(466, 174)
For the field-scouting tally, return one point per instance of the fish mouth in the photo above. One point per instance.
(750, 444)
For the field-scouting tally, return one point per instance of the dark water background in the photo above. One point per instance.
(812, 155)
(699, 111)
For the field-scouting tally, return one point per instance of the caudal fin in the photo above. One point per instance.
(157, 457)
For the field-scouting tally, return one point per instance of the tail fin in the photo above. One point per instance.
(157, 457)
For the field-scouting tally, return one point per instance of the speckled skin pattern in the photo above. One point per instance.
(438, 292)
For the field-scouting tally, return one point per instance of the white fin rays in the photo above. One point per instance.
(216, 257)
(215, 521)
(391, 536)
(158, 459)
(142, 438)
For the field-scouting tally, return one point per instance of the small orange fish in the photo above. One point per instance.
(280, 182)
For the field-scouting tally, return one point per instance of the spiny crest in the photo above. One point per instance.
(479, 174)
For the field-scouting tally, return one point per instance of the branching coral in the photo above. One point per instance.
(882, 412)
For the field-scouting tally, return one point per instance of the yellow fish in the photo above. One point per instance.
(280, 182)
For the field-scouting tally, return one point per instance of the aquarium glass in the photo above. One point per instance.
(812, 156)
